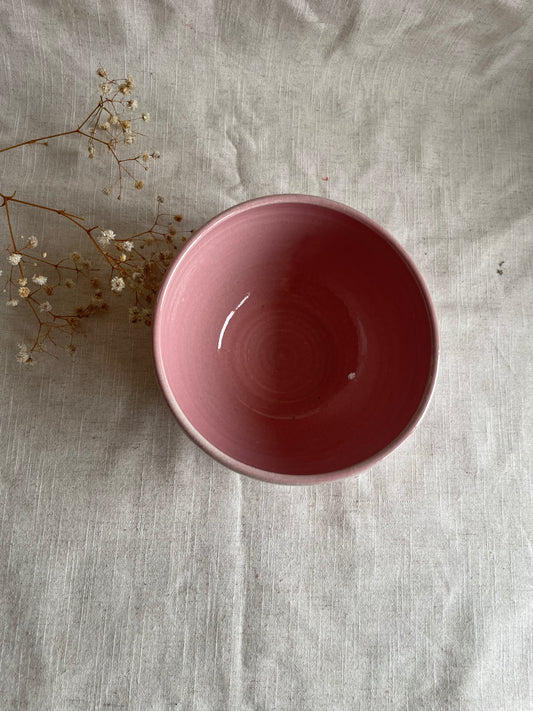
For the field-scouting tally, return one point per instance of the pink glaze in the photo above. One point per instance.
(295, 340)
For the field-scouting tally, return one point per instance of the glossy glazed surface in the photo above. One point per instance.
(295, 339)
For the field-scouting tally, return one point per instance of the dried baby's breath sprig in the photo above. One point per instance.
(133, 264)
(108, 126)
(139, 262)
(136, 265)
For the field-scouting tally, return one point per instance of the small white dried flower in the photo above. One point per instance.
(117, 284)
(156, 155)
(22, 281)
(130, 81)
(145, 117)
(132, 104)
(24, 292)
(14, 258)
(113, 120)
(104, 126)
(106, 237)
(105, 88)
(125, 89)
(127, 246)
(91, 151)
(33, 241)
(13, 302)
(23, 355)
(39, 279)
(45, 306)
(129, 139)
(146, 157)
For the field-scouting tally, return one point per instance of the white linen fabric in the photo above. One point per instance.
(135, 572)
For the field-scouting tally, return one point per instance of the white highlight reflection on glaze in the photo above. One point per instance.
(228, 318)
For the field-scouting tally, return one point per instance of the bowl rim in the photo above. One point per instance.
(248, 469)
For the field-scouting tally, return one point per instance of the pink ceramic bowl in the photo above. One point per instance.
(295, 341)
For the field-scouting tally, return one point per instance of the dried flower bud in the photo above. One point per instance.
(69, 283)
(139, 184)
(101, 72)
(134, 314)
(23, 356)
(113, 120)
(145, 117)
(24, 292)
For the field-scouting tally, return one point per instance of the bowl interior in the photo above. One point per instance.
(295, 338)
